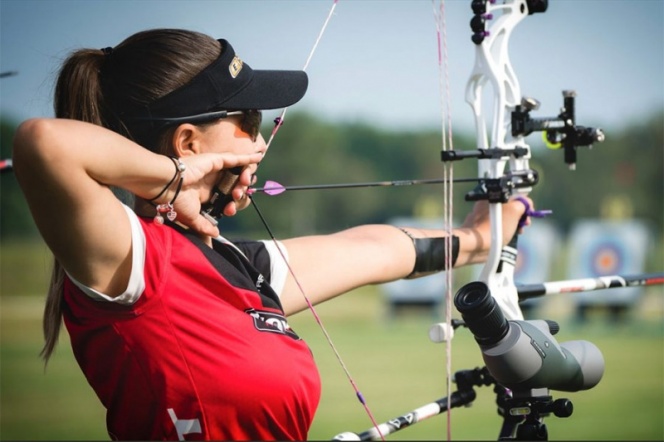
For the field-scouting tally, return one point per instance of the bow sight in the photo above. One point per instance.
(559, 131)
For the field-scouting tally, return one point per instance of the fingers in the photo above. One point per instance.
(234, 160)
(525, 207)
(230, 209)
(202, 225)
(239, 193)
(211, 163)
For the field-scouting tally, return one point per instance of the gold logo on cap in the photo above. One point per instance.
(235, 67)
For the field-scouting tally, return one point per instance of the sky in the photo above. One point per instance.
(377, 61)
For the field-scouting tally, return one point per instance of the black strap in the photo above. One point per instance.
(431, 254)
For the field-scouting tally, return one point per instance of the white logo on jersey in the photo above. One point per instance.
(260, 281)
(184, 426)
(271, 322)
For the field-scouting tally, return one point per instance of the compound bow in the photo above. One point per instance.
(524, 402)
(504, 172)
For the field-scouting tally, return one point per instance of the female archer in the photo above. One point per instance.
(182, 333)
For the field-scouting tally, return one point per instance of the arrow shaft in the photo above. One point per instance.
(394, 183)
(588, 284)
(6, 165)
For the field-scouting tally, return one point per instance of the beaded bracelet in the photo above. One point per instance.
(167, 208)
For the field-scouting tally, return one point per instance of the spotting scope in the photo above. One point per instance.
(523, 355)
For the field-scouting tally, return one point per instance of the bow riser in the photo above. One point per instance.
(492, 64)
(493, 67)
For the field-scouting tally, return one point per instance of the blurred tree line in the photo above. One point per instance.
(622, 177)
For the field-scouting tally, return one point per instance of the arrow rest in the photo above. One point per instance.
(499, 190)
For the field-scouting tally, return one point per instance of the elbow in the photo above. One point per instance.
(28, 149)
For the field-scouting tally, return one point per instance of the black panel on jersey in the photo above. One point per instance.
(257, 254)
(235, 268)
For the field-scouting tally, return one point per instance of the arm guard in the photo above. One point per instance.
(431, 254)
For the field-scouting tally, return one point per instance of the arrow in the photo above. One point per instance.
(527, 291)
(273, 188)
(6, 165)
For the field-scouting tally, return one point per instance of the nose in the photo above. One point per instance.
(260, 144)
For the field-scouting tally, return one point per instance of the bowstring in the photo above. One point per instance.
(448, 194)
(279, 121)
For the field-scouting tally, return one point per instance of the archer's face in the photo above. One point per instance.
(235, 136)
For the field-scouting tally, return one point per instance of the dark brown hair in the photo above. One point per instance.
(100, 86)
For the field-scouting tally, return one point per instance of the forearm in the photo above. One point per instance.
(472, 245)
(64, 168)
(329, 265)
(326, 266)
(60, 149)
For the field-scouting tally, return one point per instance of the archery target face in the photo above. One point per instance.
(607, 259)
(605, 248)
(536, 246)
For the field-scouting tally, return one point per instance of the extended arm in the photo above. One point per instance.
(329, 265)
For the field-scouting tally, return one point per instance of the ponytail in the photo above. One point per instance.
(78, 96)
(78, 93)
(52, 322)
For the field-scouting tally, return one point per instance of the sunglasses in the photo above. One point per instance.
(249, 124)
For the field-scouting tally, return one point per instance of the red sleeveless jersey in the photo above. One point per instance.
(205, 353)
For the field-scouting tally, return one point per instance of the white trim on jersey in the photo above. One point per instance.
(278, 268)
(136, 284)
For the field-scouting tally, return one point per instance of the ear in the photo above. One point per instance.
(186, 140)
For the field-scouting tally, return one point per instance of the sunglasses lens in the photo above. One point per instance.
(251, 123)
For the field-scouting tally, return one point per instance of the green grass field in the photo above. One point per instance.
(393, 362)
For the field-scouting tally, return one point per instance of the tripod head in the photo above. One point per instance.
(524, 355)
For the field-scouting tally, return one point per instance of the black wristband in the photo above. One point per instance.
(431, 254)
(179, 169)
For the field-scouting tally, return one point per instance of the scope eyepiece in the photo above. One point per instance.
(481, 313)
